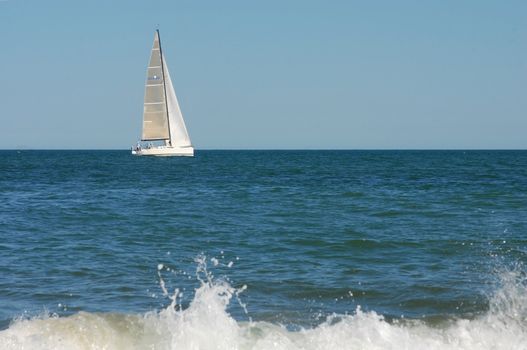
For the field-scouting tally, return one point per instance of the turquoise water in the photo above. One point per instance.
(263, 249)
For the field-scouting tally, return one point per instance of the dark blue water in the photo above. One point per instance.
(407, 234)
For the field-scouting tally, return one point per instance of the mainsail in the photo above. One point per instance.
(155, 116)
(162, 118)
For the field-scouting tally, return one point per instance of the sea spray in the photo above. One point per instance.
(508, 302)
(205, 324)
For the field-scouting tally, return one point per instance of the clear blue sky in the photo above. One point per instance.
(268, 74)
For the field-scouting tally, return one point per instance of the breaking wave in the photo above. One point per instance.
(206, 324)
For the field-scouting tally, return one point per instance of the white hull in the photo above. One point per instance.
(165, 151)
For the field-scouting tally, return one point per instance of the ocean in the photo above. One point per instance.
(263, 250)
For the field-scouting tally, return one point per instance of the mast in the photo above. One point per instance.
(164, 88)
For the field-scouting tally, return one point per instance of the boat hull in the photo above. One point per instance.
(164, 151)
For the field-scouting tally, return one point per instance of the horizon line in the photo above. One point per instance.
(278, 149)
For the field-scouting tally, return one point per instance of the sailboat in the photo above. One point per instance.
(164, 130)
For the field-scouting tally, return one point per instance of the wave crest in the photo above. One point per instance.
(206, 324)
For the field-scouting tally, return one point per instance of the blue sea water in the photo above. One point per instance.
(263, 250)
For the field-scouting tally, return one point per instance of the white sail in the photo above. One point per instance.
(178, 131)
(155, 119)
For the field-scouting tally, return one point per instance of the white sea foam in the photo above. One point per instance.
(206, 324)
